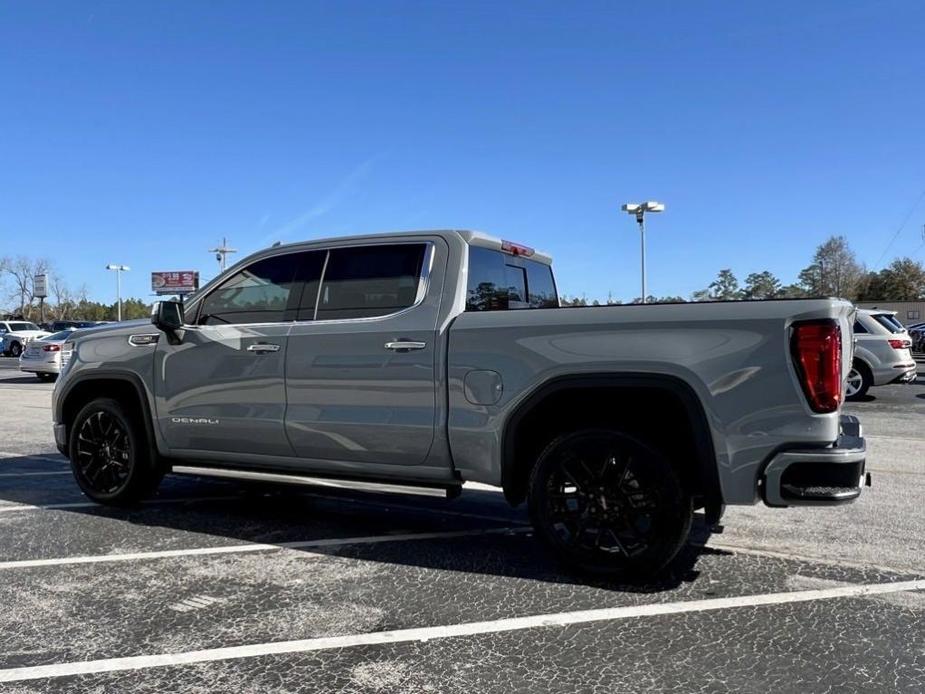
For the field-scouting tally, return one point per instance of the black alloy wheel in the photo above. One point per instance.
(103, 454)
(109, 455)
(608, 504)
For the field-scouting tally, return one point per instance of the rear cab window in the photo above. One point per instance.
(500, 281)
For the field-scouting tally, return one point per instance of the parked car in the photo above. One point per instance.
(917, 335)
(881, 354)
(59, 325)
(14, 335)
(428, 359)
(43, 356)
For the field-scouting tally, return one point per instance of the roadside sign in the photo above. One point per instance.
(178, 282)
(40, 286)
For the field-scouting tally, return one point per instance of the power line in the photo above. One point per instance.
(901, 227)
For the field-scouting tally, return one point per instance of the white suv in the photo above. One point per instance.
(882, 353)
(14, 335)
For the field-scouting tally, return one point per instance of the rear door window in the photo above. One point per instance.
(369, 281)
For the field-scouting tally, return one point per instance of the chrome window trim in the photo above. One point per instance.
(423, 286)
(324, 269)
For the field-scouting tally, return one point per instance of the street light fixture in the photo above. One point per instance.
(119, 270)
(639, 210)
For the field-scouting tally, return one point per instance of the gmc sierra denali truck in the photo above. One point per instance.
(429, 359)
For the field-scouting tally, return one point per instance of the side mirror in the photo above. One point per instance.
(168, 316)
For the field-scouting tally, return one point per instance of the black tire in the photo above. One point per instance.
(859, 374)
(609, 505)
(110, 455)
(45, 377)
(15, 350)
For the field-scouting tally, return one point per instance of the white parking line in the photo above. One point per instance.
(254, 547)
(34, 474)
(560, 619)
(89, 504)
(37, 456)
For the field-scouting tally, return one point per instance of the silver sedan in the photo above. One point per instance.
(43, 356)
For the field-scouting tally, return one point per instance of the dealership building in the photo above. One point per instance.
(908, 312)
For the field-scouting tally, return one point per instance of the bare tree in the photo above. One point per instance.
(4, 269)
(63, 297)
(22, 272)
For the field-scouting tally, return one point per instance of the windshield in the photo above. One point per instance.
(23, 326)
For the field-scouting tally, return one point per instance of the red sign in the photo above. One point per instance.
(180, 282)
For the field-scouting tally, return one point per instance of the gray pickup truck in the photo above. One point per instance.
(429, 359)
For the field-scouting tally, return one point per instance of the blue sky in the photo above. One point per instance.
(141, 133)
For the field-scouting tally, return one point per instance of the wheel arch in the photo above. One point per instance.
(539, 411)
(122, 386)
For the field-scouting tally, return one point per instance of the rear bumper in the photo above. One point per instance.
(39, 366)
(907, 376)
(896, 373)
(819, 476)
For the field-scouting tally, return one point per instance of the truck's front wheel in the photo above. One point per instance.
(110, 457)
(608, 504)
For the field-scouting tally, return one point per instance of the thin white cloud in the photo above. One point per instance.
(343, 190)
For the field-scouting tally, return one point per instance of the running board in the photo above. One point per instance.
(447, 492)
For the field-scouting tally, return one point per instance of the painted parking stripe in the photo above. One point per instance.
(254, 547)
(34, 474)
(89, 504)
(36, 456)
(560, 619)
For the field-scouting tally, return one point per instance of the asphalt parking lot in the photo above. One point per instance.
(217, 587)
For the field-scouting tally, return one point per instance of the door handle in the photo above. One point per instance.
(404, 345)
(262, 347)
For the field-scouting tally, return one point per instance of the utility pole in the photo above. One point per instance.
(221, 253)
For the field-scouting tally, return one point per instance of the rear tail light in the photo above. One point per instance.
(51, 348)
(67, 350)
(816, 350)
(900, 344)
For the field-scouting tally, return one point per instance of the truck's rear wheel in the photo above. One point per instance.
(110, 456)
(608, 504)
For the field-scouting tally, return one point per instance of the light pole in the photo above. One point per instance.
(640, 209)
(119, 270)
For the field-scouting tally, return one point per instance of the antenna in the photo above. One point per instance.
(221, 253)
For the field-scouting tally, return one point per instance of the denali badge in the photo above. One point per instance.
(193, 420)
